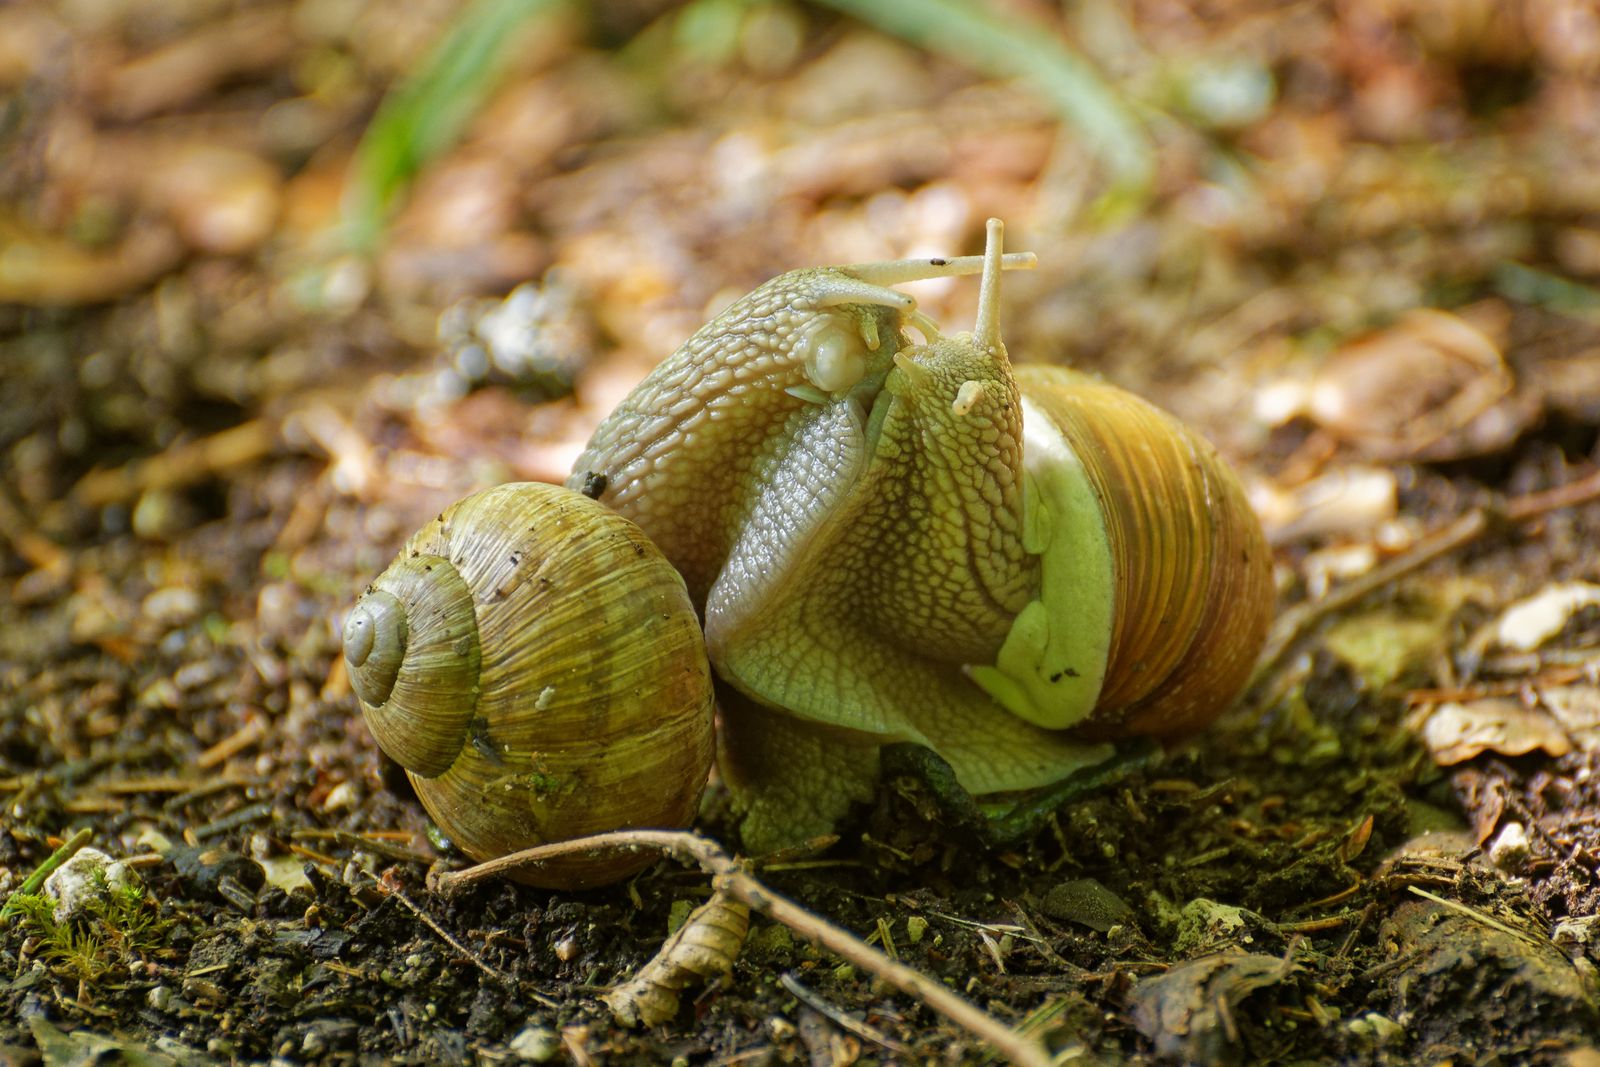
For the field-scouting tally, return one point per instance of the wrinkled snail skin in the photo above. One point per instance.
(691, 451)
(536, 666)
(883, 540)
(904, 542)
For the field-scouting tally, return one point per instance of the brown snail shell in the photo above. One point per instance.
(1193, 592)
(535, 665)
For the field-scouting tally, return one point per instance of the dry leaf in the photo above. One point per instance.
(1188, 1011)
(704, 947)
(1346, 500)
(1455, 733)
(1431, 386)
(1381, 645)
(1527, 624)
(1577, 709)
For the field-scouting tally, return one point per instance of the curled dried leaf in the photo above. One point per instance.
(1529, 623)
(1350, 500)
(1432, 386)
(1577, 709)
(1455, 732)
(703, 948)
(1188, 1012)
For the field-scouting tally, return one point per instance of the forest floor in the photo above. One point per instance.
(219, 421)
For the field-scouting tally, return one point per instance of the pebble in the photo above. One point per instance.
(1509, 850)
(78, 881)
(171, 605)
(1087, 901)
(346, 794)
(536, 1044)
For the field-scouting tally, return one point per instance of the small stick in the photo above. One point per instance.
(855, 1026)
(1044, 947)
(254, 729)
(1536, 505)
(450, 939)
(155, 784)
(69, 848)
(1294, 624)
(1473, 913)
(728, 874)
(31, 545)
(383, 847)
(1314, 926)
(231, 821)
(206, 789)
(179, 465)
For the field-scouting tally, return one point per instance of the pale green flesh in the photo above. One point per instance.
(1052, 665)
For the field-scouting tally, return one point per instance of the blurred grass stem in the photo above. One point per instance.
(999, 45)
(425, 114)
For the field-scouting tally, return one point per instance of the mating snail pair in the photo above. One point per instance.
(883, 541)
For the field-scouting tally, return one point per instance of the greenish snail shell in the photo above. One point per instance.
(536, 667)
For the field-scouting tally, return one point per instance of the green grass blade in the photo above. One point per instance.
(35, 881)
(1529, 285)
(1002, 46)
(425, 114)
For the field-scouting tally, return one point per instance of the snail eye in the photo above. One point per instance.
(835, 357)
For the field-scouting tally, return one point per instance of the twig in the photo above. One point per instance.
(1474, 913)
(31, 545)
(206, 789)
(1314, 926)
(855, 1026)
(69, 848)
(153, 784)
(1044, 947)
(231, 821)
(450, 939)
(1536, 505)
(383, 847)
(179, 465)
(728, 874)
(253, 730)
(1293, 625)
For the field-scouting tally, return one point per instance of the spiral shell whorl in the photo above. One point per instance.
(418, 684)
(374, 644)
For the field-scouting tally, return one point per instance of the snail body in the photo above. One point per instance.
(893, 541)
(885, 540)
(487, 664)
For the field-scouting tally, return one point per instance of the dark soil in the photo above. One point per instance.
(201, 464)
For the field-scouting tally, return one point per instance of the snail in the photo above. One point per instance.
(912, 542)
(535, 665)
(885, 542)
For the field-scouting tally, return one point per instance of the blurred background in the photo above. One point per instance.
(278, 280)
(431, 243)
